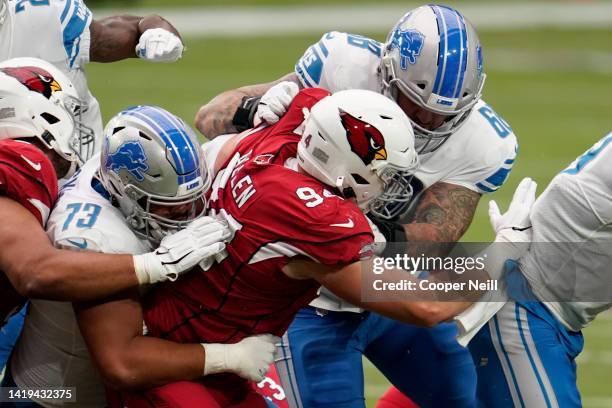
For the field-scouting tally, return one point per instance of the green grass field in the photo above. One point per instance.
(557, 112)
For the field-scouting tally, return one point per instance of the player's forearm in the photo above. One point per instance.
(147, 362)
(423, 308)
(215, 118)
(426, 239)
(59, 275)
(115, 38)
(155, 21)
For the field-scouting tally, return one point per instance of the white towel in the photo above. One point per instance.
(471, 320)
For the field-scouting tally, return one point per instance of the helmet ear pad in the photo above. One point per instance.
(152, 165)
(353, 140)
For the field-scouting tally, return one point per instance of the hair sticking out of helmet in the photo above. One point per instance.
(362, 144)
(433, 57)
(22, 77)
(153, 166)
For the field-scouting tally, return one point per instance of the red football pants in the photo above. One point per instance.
(216, 391)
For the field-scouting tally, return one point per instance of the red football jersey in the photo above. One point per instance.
(28, 177)
(280, 214)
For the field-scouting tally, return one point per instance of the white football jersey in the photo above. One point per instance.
(51, 351)
(56, 31)
(574, 213)
(478, 156)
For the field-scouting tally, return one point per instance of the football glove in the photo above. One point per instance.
(159, 45)
(515, 225)
(250, 358)
(513, 230)
(274, 103)
(199, 242)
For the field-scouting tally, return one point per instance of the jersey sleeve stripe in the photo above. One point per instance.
(323, 48)
(302, 75)
(73, 30)
(278, 250)
(315, 66)
(65, 11)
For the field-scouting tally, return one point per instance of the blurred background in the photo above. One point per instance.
(549, 75)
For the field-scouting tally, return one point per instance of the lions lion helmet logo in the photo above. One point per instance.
(129, 156)
(409, 43)
(35, 79)
(366, 141)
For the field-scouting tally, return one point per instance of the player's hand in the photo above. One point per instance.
(200, 241)
(380, 242)
(274, 103)
(159, 45)
(250, 358)
(515, 224)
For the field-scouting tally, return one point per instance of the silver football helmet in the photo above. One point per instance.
(153, 167)
(434, 58)
(360, 143)
(34, 75)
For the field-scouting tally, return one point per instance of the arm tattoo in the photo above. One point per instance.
(215, 118)
(442, 215)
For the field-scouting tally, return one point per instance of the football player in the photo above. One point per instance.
(65, 33)
(298, 224)
(40, 144)
(432, 65)
(526, 355)
(150, 181)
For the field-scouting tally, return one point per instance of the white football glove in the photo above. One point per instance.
(513, 230)
(380, 242)
(515, 225)
(274, 103)
(250, 358)
(199, 242)
(159, 45)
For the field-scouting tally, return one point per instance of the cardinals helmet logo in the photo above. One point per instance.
(366, 141)
(35, 79)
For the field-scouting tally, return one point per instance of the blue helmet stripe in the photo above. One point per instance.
(464, 56)
(441, 47)
(173, 137)
(193, 165)
(452, 51)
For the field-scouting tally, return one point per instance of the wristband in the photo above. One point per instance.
(215, 359)
(245, 114)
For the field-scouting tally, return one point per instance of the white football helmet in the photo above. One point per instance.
(433, 57)
(22, 76)
(361, 143)
(151, 161)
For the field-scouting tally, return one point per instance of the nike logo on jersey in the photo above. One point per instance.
(349, 224)
(82, 244)
(35, 166)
